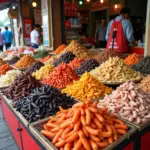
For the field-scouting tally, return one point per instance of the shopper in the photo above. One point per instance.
(8, 38)
(2, 39)
(100, 34)
(124, 31)
(35, 37)
(138, 30)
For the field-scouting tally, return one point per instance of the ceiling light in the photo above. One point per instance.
(116, 6)
(34, 4)
(80, 2)
(88, 0)
(102, 1)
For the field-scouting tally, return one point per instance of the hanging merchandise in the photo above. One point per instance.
(12, 14)
(67, 24)
(71, 9)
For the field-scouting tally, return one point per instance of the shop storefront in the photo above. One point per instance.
(82, 18)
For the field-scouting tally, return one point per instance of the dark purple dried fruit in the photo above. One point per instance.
(35, 66)
(87, 66)
(66, 58)
(43, 102)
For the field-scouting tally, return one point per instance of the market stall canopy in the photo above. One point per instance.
(7, 4)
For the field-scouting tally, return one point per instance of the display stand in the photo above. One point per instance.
(28, 137)
(143, 137)
(21, 133)
(125, 142)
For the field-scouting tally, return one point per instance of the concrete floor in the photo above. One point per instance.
(6, 139)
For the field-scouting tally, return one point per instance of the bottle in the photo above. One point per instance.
(139, 43)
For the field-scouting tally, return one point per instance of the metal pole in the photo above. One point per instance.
(12, 29)
(63, 22)
(21, 19)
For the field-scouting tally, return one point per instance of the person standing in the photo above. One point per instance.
(138, 30)
(8, 38)
(124, 31)
(100, 34)
(35, 37)
(2, 39)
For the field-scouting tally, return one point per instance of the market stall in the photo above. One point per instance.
(19, 127)
(137, 49)
(78, 99)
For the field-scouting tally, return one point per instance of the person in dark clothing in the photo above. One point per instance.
(2, 39)
(100, 34)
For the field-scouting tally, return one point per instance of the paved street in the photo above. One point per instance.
(6, 139)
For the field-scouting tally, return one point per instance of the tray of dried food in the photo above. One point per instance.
(83, 125)
(37, 127)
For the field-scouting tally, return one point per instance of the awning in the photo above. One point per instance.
(6, 4)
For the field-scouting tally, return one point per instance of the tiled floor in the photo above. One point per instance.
(6, 139)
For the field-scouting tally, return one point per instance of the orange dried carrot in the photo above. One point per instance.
(86, 87)
(45, 58)
(25, 62)
(4, 68)
(132, 59)
(79, 136)
(74, 64)
(60, 49)
(61, 76)
(2, 62)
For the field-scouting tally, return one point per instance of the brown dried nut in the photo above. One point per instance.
(21, 87)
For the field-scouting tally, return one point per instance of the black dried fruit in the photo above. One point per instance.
(46, 103)
(35, 66)
(143, 66)
(87, 66)
(19, 88)
(66, 58)
(13, 60)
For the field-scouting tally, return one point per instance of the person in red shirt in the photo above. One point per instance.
(124, 32)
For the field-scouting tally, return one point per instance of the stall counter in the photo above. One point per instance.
(137, 49)
(21, 133)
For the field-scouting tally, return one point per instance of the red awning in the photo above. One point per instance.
(3, 1)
